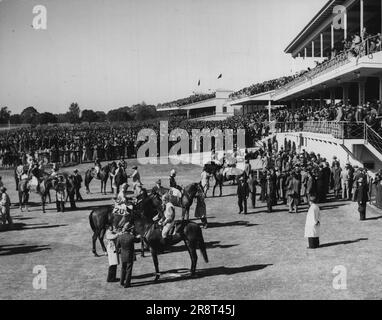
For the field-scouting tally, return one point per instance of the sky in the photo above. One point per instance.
(109, 54)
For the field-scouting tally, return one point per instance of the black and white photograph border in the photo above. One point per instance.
(178, 150)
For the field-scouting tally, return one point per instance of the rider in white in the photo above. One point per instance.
(97, 167)
(121, 201)
(168, 219)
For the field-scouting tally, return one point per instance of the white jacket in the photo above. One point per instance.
(312, 229)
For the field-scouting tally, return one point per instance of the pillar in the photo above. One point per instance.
(269, 110)
(188, 114)
(321, 100)
(332, 35)
(361, 92)
(345, 25)
(361, 17)
(312, 49)
(380, 88)
(345, 93)
(332, 96)
(322, 44)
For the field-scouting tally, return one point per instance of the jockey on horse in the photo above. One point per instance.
(97, 168)
(175, 189)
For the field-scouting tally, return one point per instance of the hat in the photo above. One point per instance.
(159, 181)
(75, 170)
(135, 168)
(3, 189)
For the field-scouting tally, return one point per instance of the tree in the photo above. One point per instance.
(28, 115)
(62, 118)
(74, 113)
(101, 116)
(89, 116)
(46, 117)
(4, 115)
(143, 112)
(15, 119)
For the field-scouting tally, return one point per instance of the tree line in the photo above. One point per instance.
(30, 115)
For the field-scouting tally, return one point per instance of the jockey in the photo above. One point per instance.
(140, 192)
(97, 167)
(158, 189)
(20, 171)
(205, 180)
(120, 206)
(136, 177)
(176, 190)
(168, 219)
(120, 167)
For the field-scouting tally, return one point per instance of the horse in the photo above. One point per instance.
(103, 217)
(190, 192)
(103, 176)
(217, 171)
(43, 190)
(119, 179)
(142, 220)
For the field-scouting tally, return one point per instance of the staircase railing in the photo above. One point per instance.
(373, 138)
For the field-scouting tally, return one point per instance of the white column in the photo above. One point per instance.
(380, 88)
(322, 44)
(312, 49)
(345, 25)
(305, 53)
(269, 110)
(361, 17)
(332, 35)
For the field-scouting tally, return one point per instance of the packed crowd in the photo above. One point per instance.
(292, 178)
(184, 101)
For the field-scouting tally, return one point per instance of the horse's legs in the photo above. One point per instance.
(185, 213)
(21, 200)
(100, 237)
(94, 239)
(43, 202)
(142, 248)
(191, 247)
(154, 254)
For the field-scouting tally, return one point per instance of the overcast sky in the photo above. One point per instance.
(108, 54)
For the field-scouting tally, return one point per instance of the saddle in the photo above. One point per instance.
(33, 184)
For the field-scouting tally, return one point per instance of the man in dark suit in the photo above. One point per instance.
(125, 243)
(252, 182)
(242, 194)
(77, 185)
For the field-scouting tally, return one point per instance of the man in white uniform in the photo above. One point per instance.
(312, 225)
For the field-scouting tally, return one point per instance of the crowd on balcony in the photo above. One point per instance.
(185, 101)
(262, 87)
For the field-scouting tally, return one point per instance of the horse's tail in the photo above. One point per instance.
(91, 222)
(202, 246)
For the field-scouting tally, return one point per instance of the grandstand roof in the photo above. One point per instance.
(255, 99)
(325, 12)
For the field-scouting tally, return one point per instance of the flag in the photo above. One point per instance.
(199, 83)
(220, 76)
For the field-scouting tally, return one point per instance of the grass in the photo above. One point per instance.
(258, 256)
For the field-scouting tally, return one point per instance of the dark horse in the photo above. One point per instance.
(101, 218)
(119, 179)
(24, 190)
(142, 219)
(103, 176)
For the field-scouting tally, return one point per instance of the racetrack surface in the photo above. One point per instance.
(258, 256)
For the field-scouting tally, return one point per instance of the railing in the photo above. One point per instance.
(373, 138)
(360, 50)
(339, 130)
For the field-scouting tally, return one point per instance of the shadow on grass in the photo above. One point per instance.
(342, 242)
(209, 245)
(22, 226)
(183, 274)
(8, 250)
(212, 225)
(373, 218)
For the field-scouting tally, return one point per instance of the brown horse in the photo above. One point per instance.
(103, 176)
(191, 234)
